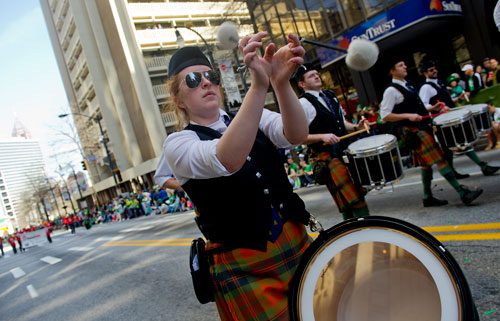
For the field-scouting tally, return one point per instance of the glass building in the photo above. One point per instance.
(453, 32)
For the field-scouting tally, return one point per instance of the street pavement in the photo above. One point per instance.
(138, 269)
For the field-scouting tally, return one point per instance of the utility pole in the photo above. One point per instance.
(78, 186)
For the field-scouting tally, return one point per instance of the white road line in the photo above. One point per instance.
(17, 272)
(138, 228)
(109, 238)
(32, 291)
(80, 249)
(50, 259)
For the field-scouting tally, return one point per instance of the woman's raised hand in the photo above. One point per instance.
(286, 60)
(260, 67)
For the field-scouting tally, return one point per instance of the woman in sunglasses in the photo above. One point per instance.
(257, 236)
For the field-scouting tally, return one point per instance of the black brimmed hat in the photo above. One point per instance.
(186, 57)
(301, 71)
(426, 64)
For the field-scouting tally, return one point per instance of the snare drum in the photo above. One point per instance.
(456, 129)
(379, 269)
(375, 161)
(481, 116)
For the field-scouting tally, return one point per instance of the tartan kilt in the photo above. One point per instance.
(346, 194)
(254, 285)
(428, 152)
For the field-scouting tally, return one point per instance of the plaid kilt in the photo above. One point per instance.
(428, 151)
(253, 285)
(345, 193)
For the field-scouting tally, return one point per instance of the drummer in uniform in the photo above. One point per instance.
(402, 107)
(326, 125)
(436, 98)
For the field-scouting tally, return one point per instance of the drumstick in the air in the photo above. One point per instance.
(433, 115)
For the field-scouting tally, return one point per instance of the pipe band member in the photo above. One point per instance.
(434, 95)
(402, 106)
(231, 169)
(326, 125)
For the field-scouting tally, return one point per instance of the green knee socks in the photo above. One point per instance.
(473, 156)
(426, 182)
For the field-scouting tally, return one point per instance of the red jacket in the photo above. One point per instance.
(12, 240)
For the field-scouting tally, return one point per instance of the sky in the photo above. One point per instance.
(30, 82)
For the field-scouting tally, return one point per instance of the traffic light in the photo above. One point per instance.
(84, 165)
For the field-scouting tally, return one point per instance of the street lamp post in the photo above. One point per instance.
(98, 119)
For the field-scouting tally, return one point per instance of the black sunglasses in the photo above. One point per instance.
(193, 79)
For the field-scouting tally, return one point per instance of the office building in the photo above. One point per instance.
(21, 166)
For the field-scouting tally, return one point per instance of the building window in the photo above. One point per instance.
(6, 201)
(8, 207)
(2, 188)
(353, 12)
(4, 194)
(373, 6)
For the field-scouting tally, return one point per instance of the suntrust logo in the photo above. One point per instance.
(446, 6)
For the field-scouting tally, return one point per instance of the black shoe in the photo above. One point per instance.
(489, 170)
(470, 195)
(432, 201)
(460, 176)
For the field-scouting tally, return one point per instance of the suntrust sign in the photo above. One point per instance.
(389, 22)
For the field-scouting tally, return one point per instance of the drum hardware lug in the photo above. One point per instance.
(315, 225)
(442, 248)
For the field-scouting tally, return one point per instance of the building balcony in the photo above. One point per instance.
(169, 119)
(160, 91)
(157, 11)
(157, 63)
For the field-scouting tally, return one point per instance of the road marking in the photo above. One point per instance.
(467, 237)
(17, 272)
(465, 227)
(138, 228)
(32, 291)
(164, 242)
(50, 259)
(431, 229)
(80, 249)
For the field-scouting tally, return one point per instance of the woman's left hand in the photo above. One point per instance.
(286, 60)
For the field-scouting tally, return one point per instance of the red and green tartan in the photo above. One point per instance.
(345, 193)
(254, 285)
(428, 152)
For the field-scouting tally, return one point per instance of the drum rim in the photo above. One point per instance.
(393, 143)
(454, 271)
(449, 122)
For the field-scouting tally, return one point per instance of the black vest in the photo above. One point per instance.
(411, 104)
(236, 210)
(327, 122)
(442, 95)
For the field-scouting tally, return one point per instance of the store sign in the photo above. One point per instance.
(388, 22)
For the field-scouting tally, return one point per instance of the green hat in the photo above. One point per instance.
(452, 78)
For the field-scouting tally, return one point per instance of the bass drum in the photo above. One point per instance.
(379, 269)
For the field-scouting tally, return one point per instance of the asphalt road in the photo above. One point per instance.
(138, 269)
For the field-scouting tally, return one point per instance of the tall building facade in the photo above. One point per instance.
(454, 32)
(21, 166)
(113, 57)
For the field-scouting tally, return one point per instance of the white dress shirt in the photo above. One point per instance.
(309, 108)
(189, 157)
(427, 92)
(391, 98)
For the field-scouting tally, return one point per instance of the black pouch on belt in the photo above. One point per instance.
(200, 272)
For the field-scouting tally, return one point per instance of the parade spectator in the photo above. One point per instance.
(494, 133)
(12, 241)
(305, 173)
(71, 223)
(457, 93)
(1, 245)
(472, 85)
